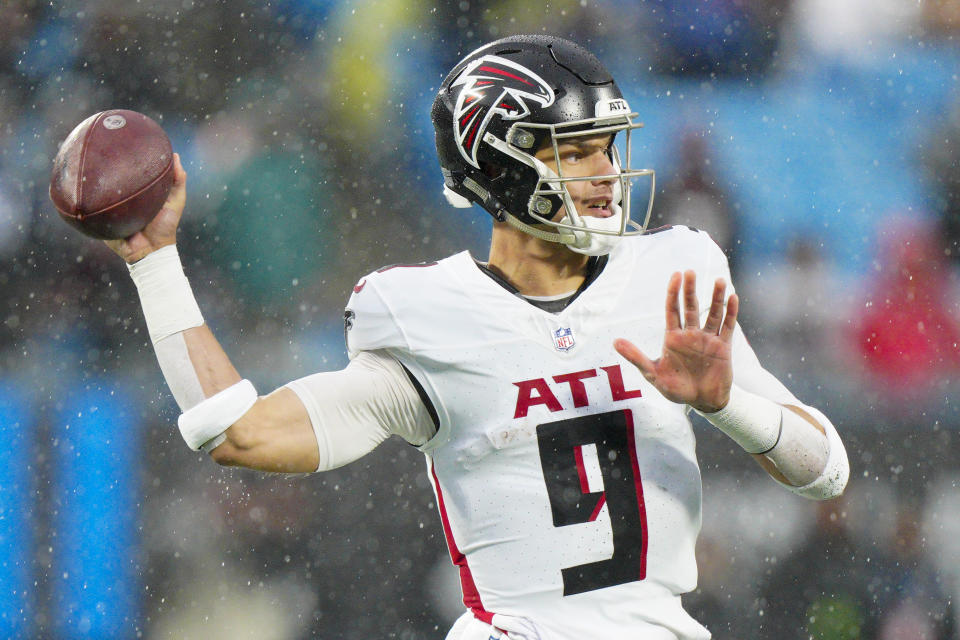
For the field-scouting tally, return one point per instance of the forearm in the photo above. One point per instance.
(799, 447)
(802, 450)
(351, 411)
(210, 362)
(194, 364)
(201, 377)
(796, 445)
(270, 433)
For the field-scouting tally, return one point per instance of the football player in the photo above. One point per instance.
(548, 387)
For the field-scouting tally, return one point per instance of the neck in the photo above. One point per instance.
(535, 267)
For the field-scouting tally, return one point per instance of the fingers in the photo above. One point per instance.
(716, 323)
(169, 217)
(691, 306)
(179, 174)
(730, 322)
(178, 192)
(715, 316)
(673, 302)
(636, 357)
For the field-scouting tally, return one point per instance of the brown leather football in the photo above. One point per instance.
(112, 174)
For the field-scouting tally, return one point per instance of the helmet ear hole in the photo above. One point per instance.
(491, 170)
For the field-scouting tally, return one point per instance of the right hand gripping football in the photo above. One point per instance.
(162, 230)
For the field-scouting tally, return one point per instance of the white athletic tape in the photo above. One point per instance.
(178, 371)
(165, 294)
(209, 419)
(752, 421)
(802, 452)
(833, 478)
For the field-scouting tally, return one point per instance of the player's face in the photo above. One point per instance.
(578, 157)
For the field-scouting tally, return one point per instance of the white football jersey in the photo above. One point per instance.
(568, 487)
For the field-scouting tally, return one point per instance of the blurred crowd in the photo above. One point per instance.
(818, 142)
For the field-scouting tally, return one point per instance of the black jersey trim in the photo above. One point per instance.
(414, 265)
(667, 227)
(595, 266)
(496, 277)
(427, 402)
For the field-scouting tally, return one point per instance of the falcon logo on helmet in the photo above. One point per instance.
(493, 85)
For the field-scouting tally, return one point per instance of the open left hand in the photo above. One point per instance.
(695, 367)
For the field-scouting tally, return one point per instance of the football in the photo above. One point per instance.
(112, 174)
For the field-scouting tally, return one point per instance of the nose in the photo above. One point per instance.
(603, 166)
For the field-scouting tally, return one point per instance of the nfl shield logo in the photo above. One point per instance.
(563, 339)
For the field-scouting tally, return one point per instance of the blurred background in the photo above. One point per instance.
(817, 141)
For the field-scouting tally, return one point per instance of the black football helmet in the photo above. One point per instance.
(512, 97)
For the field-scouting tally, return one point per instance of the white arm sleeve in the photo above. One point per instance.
(354, 410)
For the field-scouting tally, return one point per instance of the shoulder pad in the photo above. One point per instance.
(369, 321)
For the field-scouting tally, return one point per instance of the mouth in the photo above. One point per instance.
(599, 207)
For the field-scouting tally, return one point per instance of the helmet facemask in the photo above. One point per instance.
(589, 235)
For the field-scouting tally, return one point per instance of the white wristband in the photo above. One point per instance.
(752, 421)
(209, 419)
(165, 295)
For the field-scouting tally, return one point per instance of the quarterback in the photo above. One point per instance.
(548, 387)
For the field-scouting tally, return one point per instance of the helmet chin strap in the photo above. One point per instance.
(583, 242)
(596, 244)
(564, 237)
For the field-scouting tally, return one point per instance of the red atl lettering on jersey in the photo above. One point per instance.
(526, 399)
(577, 390)
(531, 393)
(617, 390)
